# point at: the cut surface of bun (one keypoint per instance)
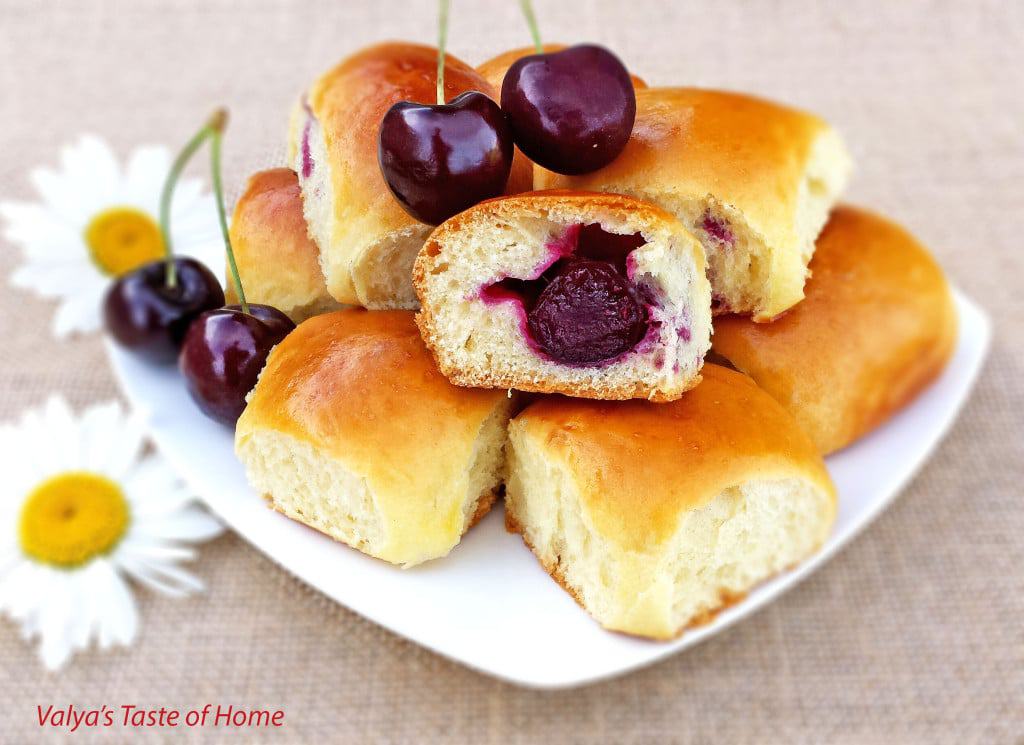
(367, 241)
(752, 179)
(278, 263)
(655, 516)
(878, 324)
(479, 275)
(342, 432)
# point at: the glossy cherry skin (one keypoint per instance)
(223, 354)
(149, 318)
(587, 314)
(571, 111)
(441, 159)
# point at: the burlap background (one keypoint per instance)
(913, 634)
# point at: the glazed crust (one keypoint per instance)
(638, 466)
(508, 207)
(360, 387)
(877, 326)
(749, 152)
(278, 263)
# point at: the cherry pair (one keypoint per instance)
(174, 308)
(570, 111)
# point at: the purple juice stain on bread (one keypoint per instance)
(717, 229)
(307, 155)
(580, 306)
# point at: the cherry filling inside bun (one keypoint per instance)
(581, 309)
(584, 294)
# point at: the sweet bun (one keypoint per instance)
(655, 516)
(499, 287)
(367, 241)
(878, 324)
(752, 179)
(278, 263)
(341, 430)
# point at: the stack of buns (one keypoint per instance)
(654, 488)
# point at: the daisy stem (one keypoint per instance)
(442, 42)
(218, 122)
(531, 21)
(168, 191)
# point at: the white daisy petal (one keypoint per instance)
(121, 624)
(80, 313)
(167, 579)
(148, 550)
(55, 621)
(91, 164)
(145, 174)
(189, 524)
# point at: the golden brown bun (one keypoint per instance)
(480, 343)
(367, 241)
(342, 433)
(493, 70)
(278, 263)
(765, 173)
(654, 515)
(878, 324)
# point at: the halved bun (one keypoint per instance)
(878, 324)
(278, 263)
(484, 337)
(752, 179)
(655, 516)
(339, 434)
(367, 241)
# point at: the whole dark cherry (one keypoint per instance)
(223, 354)
(587, 314)
(571, 111)
(150, 318)
(441, 159)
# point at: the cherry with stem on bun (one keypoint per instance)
(149, 309)
(440, 159)
(571, 111)
(225, 349)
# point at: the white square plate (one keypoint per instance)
(489, 605)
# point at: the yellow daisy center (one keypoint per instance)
(123, 238)
(71, 518)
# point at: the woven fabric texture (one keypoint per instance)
(913, 634)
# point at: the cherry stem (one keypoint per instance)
(217, 123)
(168, 191)
(531, 21)
(442, 42)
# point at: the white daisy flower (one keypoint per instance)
(81, 512)
(96, 221)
